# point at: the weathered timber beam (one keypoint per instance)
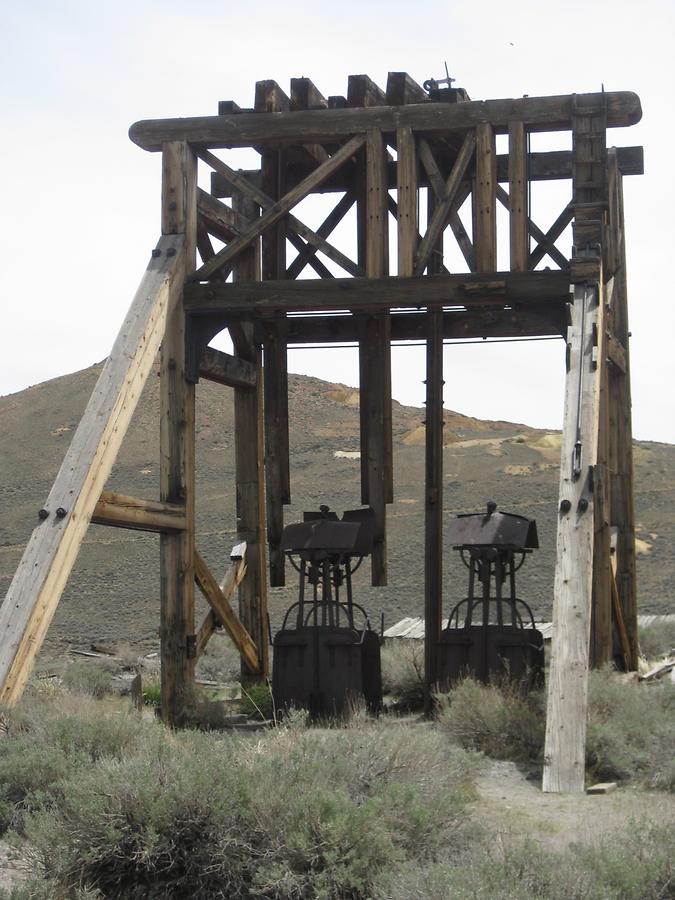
(457, 324)
(50, 554)
(227, 369)
(331, 222)
(221, 220)
(132, 512)
(362, 294)
(550, 165)
(249, 189)
(442, 209)
(325, 125)
(231, 581)
(545, 243)
(362, 91)
(219, 603)
(305, 95)
(278, 209)
(402, 89)
(616, 353)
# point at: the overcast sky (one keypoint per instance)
(81, 202)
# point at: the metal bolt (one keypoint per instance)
(583, 504)
(156, 252)
(171, 251)
(61, 513)
(173, 206)
(43, 514)
(565, 506)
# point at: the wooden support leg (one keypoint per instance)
(564, 753)
(601, 646)
(433, 503)
(177, 406)
(250, 476)
(375, 360)
(277, 450)
(620, 427)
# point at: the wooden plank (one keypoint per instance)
(532, 322)
(437, 185)
(177, 452)
(133, 512)
(549, 165)
(485, 193)
(363, 294)
(544, 244)
(250, 474)
(220, 605)
(362, 91)
(332, 220)
(250, 190)
(565, 743)
(376, 367)
(406, 192)
(401, 89)
(443, 207)
(277, 448)
(52, 549)
(621, 432)
(270, 98)
(602, 640)
(223, 368)
(518, 198)
(325, 125)
(221, 220)
(433, 503)
(305, 95)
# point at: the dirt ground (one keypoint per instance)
(514, 807)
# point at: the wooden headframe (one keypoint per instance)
(378, 151)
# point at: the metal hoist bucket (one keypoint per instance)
(491, 632)
(326, 656)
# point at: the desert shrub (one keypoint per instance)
(630, 731)
(256, 701)
(294, 814)
(88, 678)
(152, 692)
(403, 673)
(634, 865)
(220, 660)
(48, 739)
(501, 721)
(657, 640)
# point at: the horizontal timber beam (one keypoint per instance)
(133, 512)
(458, 324)
(550, 165)
(325, 125)
(227, 369)
(363, 294)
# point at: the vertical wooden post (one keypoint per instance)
(406, 185)
(250, 471)
(620, 426)
(518, 197)
(565, 745)
(601, 646)
(375, 359)
(269, 98)
(177, 449)
(486, 199)
(433, 502)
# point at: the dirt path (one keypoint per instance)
(514, 807)
(14, 868)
